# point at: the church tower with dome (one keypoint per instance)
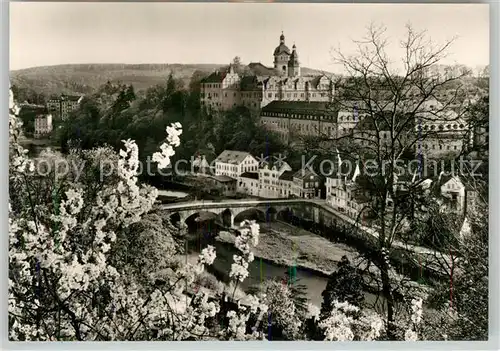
(293, 63)
(282, 56)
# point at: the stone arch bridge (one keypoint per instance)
(231, 211)
(310, 209)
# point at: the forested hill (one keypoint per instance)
(87, 78)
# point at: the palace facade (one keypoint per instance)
(226, 89)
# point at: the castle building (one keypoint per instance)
(43, 125)
(226, 89)
(289, 119)
(444, 131)
(62, 107)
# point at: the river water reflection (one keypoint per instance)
(259, 270)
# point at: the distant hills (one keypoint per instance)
(86, 78)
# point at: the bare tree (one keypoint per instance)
(398, 105)
(462, 300)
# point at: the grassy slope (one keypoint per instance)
(85, 78)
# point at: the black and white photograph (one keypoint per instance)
(248, 172)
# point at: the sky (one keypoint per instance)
(63, 33)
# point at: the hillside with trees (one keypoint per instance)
(87, 78)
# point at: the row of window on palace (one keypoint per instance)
(440, 147)
(384, 135)
(313, 128)
(295, 86)
(295, 95)
(296, 116)
(442, 127)
(351, 118)
(253, 104)
(259, 95)
(243, 95)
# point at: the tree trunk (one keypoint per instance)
(387, 290)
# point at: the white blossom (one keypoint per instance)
(73, 244)
(167, 149)
(411, 335)
(207, 255)
(345, 324)
(416, 307)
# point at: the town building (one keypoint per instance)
(234, 163)
(307, 184)
(43, 125)
(348, 197)
(286, 185)
(200, 165)
(269, 173)
(345, 193)
(62, 106)
(225, 89)
(248, 183)
(224, 184)
(453, 190)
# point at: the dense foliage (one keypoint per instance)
(116, 112)
(88, 261)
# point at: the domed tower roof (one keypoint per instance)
(294, 57)
(282, 48)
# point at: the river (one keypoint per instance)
(260, 270)
(174, 194)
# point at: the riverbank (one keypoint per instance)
(286, 245)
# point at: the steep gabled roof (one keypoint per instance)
(215, 77)
(230, 156)
(70, 97)
(274, 163)
(304, 173)
(447, 178)
(287, 175)
(259, 69)
(250, 83)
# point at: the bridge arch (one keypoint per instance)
(175, 218)
(271, 213)
(253, 213)
(285, 213)
(227, 218)
(199, 219)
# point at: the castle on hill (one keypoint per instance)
(226, 89)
